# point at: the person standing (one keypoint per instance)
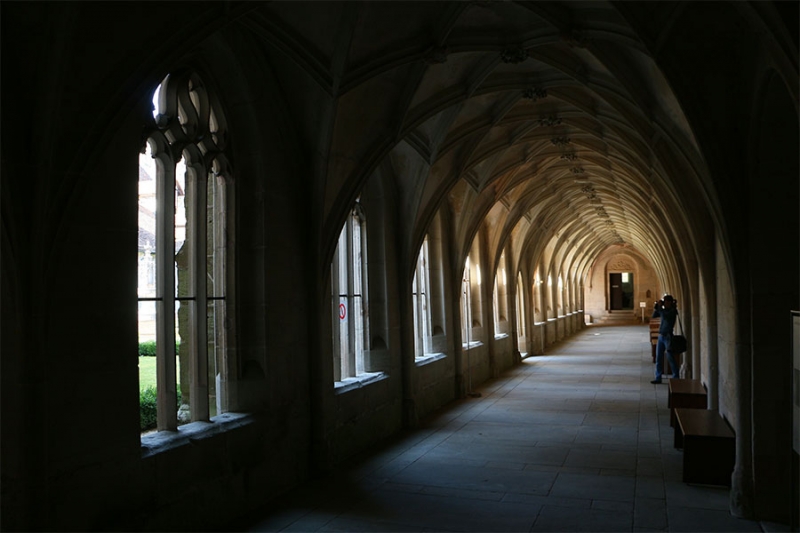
(668, 311)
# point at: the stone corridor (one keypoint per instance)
(575, 440)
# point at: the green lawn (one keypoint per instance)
(147, 372)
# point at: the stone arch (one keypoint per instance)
(617, 260)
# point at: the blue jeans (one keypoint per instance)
(661, 347)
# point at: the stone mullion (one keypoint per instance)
(427, 341)
(336, 299)
(166, 375)
(219, 272)
(364, 287)
(419, 322)
(351, 322)
(198, 308)
(436, 281)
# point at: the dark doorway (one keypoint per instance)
(621, 284)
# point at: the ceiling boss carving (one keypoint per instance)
(534, 93)
(552, 120)
(514, 55)
(560, 141)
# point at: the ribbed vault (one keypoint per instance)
(557, 143)
(552, 117)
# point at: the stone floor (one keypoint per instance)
(576, 440)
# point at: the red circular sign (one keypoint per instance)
(342, 311)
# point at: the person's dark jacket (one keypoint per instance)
(668, 317)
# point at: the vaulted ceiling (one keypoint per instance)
(551, 124)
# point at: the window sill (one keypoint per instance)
(161, 441)
(429, 358)
(501, 336)
(471, 345)
(359, 381)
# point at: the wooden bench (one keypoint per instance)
(709, 446)
(686, 393)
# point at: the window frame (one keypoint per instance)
(189, 126)
(349, 346)
(500, 299)
(421, 297)
(521, 312)
(468, 297)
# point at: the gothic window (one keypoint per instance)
(537, 297)
(349, 284)
(520, 313)
(500, 299)
(183, 278)
(421, 289)
(470, 302)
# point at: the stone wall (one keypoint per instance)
(647, 287)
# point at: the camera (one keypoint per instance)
(660, 303)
